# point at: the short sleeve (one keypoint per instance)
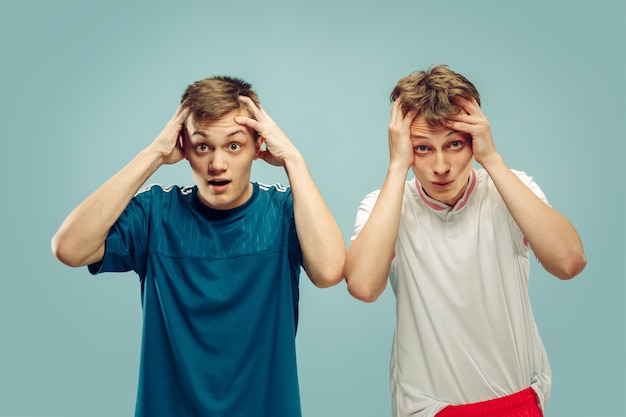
(295, 250)
(528, 181)
(363, 213)
(126, 243)
(532, 185)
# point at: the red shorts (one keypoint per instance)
(520, 404)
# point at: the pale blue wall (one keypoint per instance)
(86, 85)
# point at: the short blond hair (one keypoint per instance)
(212, 98)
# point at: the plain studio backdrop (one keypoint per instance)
(86, 85)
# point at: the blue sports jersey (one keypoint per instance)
(220, 301)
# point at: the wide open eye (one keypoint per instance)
(202, 147)
(420, 149)
(234, 146)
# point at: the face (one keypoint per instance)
(442, 162)
(220, 153)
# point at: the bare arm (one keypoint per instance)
(81, 238)
(323, 247)
(369, 257)
(552, 237)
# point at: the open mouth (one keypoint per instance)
(218, 183)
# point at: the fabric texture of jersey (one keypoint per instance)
(219, 291)
(464, 331)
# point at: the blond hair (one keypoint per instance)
(430, 93)
(212, 98)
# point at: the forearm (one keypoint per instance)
(323, 246)
(80, 239)
(369, 257)
(552, 237)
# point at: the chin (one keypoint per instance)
(444, 198)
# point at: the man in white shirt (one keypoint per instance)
(454, 242)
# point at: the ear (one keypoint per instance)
(182, 148)
(257, 145)
(181, 141)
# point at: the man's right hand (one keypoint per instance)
(168, 144)
(400, 147)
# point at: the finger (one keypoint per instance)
(248, 122)
(460, 117)
(460, 100)
(182, 113)
(248, 101)
(396, 110)
(410, 116)
(179, 111)
(459, 126)
(469, 105)
(251, 105)
(398, 114)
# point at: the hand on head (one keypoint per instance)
(399, 135)
(169, 142)
(473, 121)
(278, 147)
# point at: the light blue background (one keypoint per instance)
(86, 85)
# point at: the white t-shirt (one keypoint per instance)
(465, 331)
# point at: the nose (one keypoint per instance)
(441, 165)
(218, 162)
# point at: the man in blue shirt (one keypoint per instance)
(218, 262)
